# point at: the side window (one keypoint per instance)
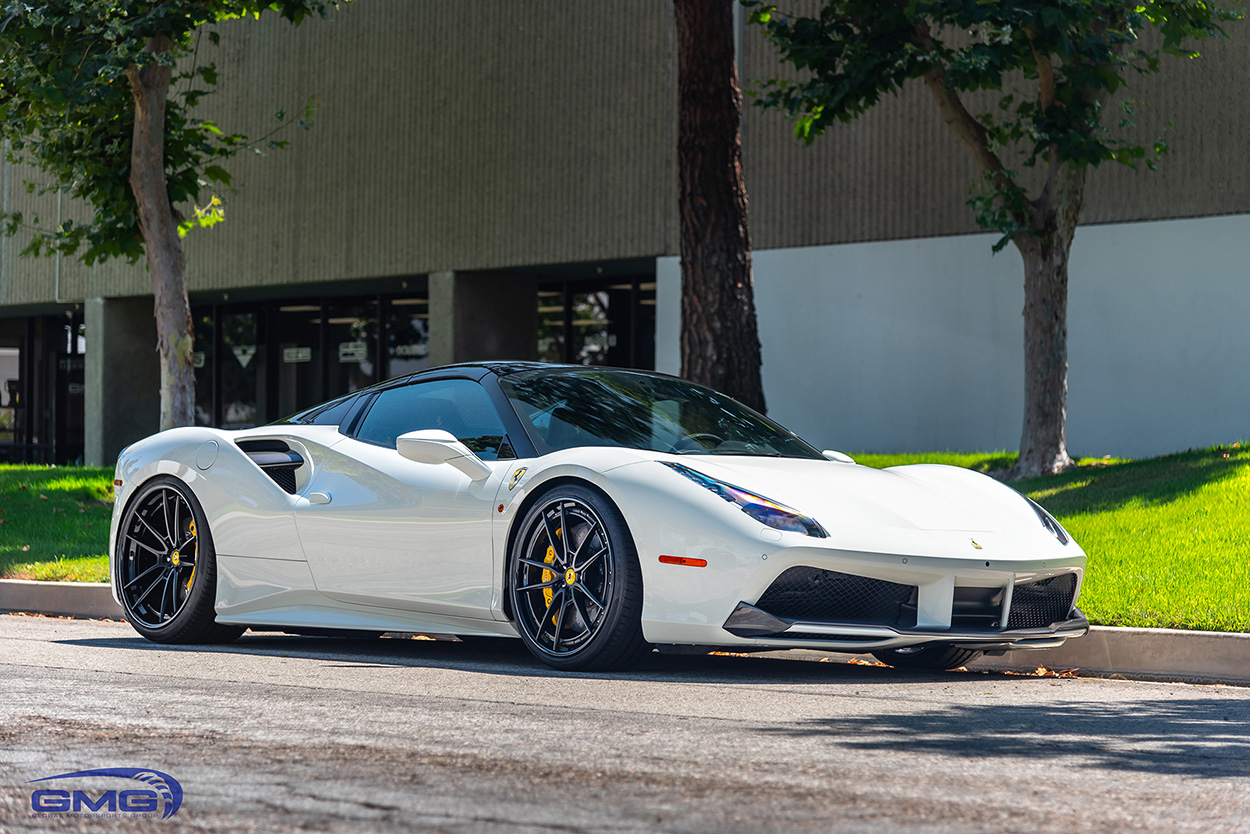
(459, 406)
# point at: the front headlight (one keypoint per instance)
(763, 510)
(1048, 521)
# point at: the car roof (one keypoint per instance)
(480, 370)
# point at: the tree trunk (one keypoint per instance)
(1043, 442)
(159, 225)
(720, 344)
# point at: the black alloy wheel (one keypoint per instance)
(934, 656)
(575, 583)
(166, 568)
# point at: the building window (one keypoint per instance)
(260, 362)
(598, 322)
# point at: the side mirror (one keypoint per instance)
(837, 457)
(438, 446)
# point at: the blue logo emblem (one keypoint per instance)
(163, 796)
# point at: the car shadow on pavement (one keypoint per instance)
(1196, 737)
(503, 656)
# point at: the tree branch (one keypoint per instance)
(970, 132)
(1045, 73)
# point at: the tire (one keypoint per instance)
(577, 610)
(935, 656)
(168, 597)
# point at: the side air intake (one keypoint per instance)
(276, 459)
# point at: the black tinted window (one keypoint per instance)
(459, 406)
(567, 409)
(326, 414)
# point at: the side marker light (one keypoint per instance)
(501, 508)
(684, 560)
(118, 482)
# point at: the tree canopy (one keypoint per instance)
(93, 94)
(1049, 69)
(1051, 64)
(66, 107)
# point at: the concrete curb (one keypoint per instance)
(1139, 653)
(92, 600)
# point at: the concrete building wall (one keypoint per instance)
(491, 134)
(487, 135)
(918, 345)
(897, 172)
(463, 137)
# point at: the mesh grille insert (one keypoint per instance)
(1038, 604)
(814, 595)
(283, 476)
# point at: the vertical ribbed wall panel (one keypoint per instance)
(38, 280)
(479, 134)
(494, 134)
(474, 135)
(897, 172)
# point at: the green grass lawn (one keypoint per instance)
(1168, 538)
(54, 522)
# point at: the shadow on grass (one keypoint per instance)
(1093, 488)
(1203, 737)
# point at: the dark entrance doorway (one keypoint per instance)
(41, 389)
(258, 362)
(598, 321)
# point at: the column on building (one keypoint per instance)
(122, 379)
(478, 316)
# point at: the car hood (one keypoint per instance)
(934, 498)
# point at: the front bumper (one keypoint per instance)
(752, 623)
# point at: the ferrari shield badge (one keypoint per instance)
(516, 478)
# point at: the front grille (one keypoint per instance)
(813, 595)
(1038, 604)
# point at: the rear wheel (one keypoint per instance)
(933, 656)
(166, 567)
(575, 583)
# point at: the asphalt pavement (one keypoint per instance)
(279, 733)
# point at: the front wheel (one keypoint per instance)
(166, 567)
(575, 583)
(936, 656)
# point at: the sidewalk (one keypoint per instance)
(1162, 654)
(1137, 653)
(92, 600)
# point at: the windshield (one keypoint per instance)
(566, 409)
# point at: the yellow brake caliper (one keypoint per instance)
(195, 552)
(549, 593)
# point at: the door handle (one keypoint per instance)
(318, 498)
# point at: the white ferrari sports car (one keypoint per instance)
(593, 513)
